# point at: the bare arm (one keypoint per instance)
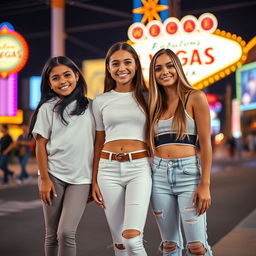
(46, 186)
(9, 148)
(99, 141)
(25, 143)
(202, 118)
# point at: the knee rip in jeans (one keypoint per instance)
(120, 246)
(158, 213)
(191, 221)
(169, 246)
(130, 233)
(189, 209)
(196, 248)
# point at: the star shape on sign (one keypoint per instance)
(150, 10)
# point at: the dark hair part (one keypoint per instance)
(47, 93)
(138, 80)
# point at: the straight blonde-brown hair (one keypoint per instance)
(158, 98)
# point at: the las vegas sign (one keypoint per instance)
(206, 53)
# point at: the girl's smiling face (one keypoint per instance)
(122, 67)
(165, 72)
(63, 80)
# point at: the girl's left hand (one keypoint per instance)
(202, 198)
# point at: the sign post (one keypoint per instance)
(13, 57)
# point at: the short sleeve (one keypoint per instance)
(97, 113)
(43, 122)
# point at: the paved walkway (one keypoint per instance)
(241, 241)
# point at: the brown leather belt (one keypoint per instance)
(122, 157)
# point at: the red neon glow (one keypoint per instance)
(196, 57)
(211, 98)
(137, 32)
(171, 28)
(207, 23)
(154, 30)
(189, 26)
(6, 53)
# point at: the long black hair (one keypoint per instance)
(47, 93)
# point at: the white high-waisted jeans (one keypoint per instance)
(126, 189)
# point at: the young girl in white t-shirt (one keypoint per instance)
(121, 171)
(63, 126)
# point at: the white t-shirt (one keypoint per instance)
(69, 147)
(119, 115)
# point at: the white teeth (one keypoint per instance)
(64, 87)
(122, 75)
(166, 77)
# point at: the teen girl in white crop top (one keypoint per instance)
(121, 171)
(181, 187)
(115, 111)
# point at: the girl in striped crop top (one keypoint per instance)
(179, 115)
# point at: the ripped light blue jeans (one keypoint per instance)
(174, 184)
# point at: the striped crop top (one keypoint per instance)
(166, 133)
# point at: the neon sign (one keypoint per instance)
(206, 53)
(34, 91)
(8, 95)
(13, 51)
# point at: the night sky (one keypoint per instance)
(32, 19)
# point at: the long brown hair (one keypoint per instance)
(158, 98)
(140, 89)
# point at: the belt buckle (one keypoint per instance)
(119, 157)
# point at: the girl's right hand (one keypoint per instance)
(96, 194)
(46, 188)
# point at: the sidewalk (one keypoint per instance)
(241, 241)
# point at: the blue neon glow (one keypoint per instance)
(34, 91)
(164, 14)
(7, 24)
(215, 125)
(136, 16)
(248, 107)
(246, 86)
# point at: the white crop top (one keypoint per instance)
(119, 115)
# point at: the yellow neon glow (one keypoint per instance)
(94, 71)
(250, 44)
(231, 68)
(18, 119)
(216, 73)
(13, 35)
(150, 10)
(219, 137)
(14, 130)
